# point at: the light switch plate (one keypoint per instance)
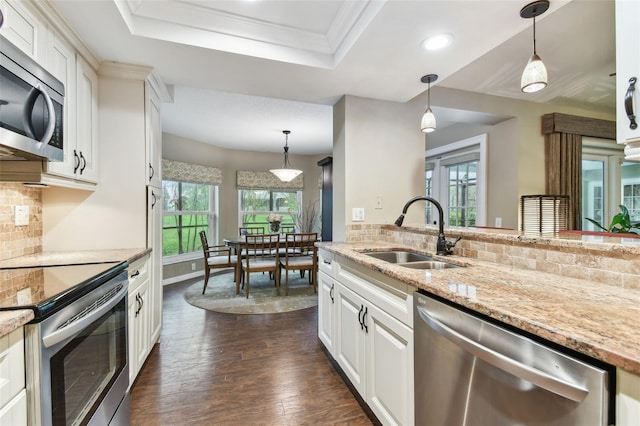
(357, 214)
(21, 215)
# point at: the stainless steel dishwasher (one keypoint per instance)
(469, 371)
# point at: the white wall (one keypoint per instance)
(378, 152)
(230, 161)
(114, 215)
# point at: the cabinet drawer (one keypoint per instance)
(392, 296)
(138, 273)
(12, 374)
(325, 262)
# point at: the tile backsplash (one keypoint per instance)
(20, 240)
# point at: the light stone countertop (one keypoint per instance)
(597, 320)
(13, 319)
(55, 258)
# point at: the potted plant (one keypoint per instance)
(620, 224)
(274, 220)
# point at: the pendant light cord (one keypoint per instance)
(534, 35)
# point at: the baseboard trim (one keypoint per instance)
(184, 277)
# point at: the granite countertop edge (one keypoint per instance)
(13, 319)
(590, 318)
(75, 257)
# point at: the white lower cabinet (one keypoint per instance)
(627, 398)
(13, 399)
(373, 348)
(326, 301)
(140, 342)
(14, 413)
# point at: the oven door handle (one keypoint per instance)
(80, 323)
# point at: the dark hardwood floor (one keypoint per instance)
(224, 369)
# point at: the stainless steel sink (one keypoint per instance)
(400, 256)
(430, 264)
(411, 259)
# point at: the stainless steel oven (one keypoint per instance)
(76, 347)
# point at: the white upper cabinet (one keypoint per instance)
(61, 62)
(628, 76)
(79, 167)
(86, 149)
(153, 135)
(24, 29)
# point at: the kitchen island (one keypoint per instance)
(579, 295)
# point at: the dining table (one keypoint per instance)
(237, 244)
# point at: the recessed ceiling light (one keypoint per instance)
(438, 41)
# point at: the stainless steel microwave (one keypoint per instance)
(31, 108)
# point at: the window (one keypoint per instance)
(188, 208)
(462, 194)
(429, 209)
(455, 176)
(257, 204)
(607, 182)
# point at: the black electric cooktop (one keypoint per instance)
(47, 289)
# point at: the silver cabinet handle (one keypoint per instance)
(82, 322)
(628, 103)
(503, 362)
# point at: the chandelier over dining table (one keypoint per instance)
(286, 173)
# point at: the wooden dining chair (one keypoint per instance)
(216, 257)
(300, 254)
(250, 230)
(287, 229)
(260, 254)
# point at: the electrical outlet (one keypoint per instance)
(24, 296)
(21, 215)
(193, 266)
(498, 222)
(357, 214)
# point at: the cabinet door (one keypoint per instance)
(627, 67)
(143, 326)
(61, 62)
(389, 353)
(22, 28)
(15, 411)
(153, 137)
(12, 369)
(87, 121)
(326, 315)
(133, 344)
(154, 241)
(349, 338)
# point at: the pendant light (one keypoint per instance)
(428, 123)
(286, 173)
(534, 76)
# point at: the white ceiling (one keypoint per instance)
(242, 71)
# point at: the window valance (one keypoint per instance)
(266, 180)
(192, 173)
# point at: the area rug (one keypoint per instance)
(220, 295)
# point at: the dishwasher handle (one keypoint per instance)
(503, 362)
